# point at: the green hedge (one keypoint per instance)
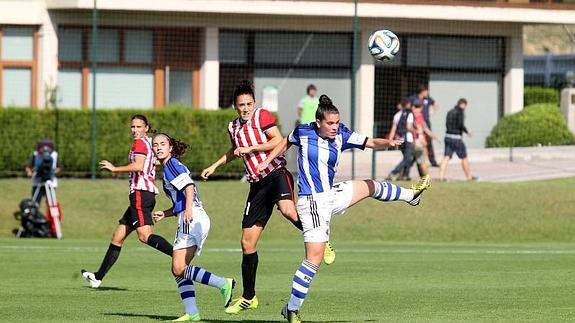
(205, 131)
(538, 94)
(536, 124)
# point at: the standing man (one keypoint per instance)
(454, 140)
(429, 106)
(43, 166)
(308, 105)
(402, 129)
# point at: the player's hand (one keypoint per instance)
(158, 215)
(263, 165)
(104, 164)
(188, 216)
(207, 172)
(395, 143)
(240, 151)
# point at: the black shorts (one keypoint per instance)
(263, 196)
(455, 146)
(139, 213)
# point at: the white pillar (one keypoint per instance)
(210, 71)
(47, 59)
(513, 80)
(568, 107)
(365, 87)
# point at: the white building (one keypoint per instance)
(154, 53)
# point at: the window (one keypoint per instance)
(133, 67)
(18, 66)
(16, 87)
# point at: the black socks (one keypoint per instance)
(109, 259)
(249, 269)
(160, 244)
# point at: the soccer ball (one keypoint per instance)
(383, 45)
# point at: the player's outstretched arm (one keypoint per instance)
(278, 150)
(226, 158)
(136, 166)
(275, 138)
(380, 143)
(158, 215)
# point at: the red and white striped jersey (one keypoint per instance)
(251, 133)
(144, 180)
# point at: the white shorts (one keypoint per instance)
(315, 214)
(194, 233)
(343, 193)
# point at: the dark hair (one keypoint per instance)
(309, 88)
(462, 100)
(404, 102)
(421, 88)
(245, 87)
(143, 118)
(324, 107)
(178, 147)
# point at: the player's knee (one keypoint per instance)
(178, 269)
(248, 245)
(143, 237)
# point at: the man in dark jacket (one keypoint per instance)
(454, 139)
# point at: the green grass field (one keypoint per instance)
(471, 252)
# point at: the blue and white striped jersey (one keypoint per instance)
(318, 158)
(176, 178)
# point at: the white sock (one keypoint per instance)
(300, 286)
(203, 276)
(386, 192)
(188, 294)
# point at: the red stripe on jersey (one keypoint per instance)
(250, 134)
(144, 179)
(139, 208)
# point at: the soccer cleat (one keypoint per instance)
(242, 304)
(187, 317)
(91, 278)
(328, 254)
(418, 188)
(290, 316)
(226, 291)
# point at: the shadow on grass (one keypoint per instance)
(169, 318)
(116, 289)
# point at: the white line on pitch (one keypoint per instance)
(291, 250)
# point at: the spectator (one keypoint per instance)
(429, 106)
(454, 139)
(402, 129)
(308, 105)
(42, 167)
(422, 132)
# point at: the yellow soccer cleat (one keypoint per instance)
(188, 318)
(242, 304)
(423, 184)
(328, 254)
(290, 316)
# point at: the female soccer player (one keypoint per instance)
(320, 147)
(253, 135)
(143, 190)
(193, 226)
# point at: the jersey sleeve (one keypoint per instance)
(351, 139)
(293, 137)
(396, 117)
(410, 118)
(267, 120)
(139, 147)
(178, 174)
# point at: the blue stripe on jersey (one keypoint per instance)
(313, 159)
(172, 169)
(318, 158)
(332, 164)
